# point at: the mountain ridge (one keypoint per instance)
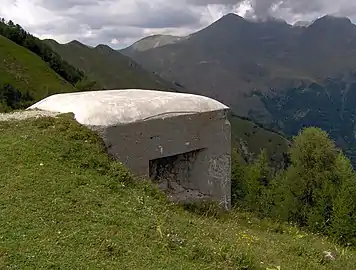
(257, 66)
(232, 17)
(108, 68)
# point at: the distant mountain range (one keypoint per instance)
(26, 77)
(32, 69)
(286, 76)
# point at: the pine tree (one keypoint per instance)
(311, 182)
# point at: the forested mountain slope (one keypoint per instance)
(108, 68)
(25, 77)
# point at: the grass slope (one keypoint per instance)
(27, 72)
(64, 204)
(250, 138)
(109, 68)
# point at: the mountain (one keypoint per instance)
(108, 68)
(25, 77)
(302, 24)
(226, 60)
(284, 76)
(151, 42)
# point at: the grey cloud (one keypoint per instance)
(266, 8)
(119, 33)
(263, 8)
(56, 26)
(144, 17)
(95, 21)
(303, 5)
(214, 2)
(126, 35)
(66, 4)
(317, 8)
(95, 13)
(163, 16)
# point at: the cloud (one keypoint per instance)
(65, 4)
(287, 9)
(103, 21)
(121, 22)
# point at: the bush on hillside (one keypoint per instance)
(237, 177)
(311, 183)
(86, 84)
(343, 221)
(12, 99)
(251, 183)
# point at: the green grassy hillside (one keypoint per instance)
(65, 205)
(26, 72)
(250, 138)
(109, 68)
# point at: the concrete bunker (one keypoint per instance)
(181, 141)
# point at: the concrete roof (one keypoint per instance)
(114, 107)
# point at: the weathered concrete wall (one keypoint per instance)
(181, 141)
(208, 171)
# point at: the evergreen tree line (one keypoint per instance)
(317, 190)
(18, 35)
(12, 99)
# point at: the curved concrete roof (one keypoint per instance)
(114, 107)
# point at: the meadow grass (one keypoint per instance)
(64, 204)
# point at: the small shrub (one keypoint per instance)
(227, 257)
(118, 171)
(204, 208)
(238, 190)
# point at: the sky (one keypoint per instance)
(119, 23)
